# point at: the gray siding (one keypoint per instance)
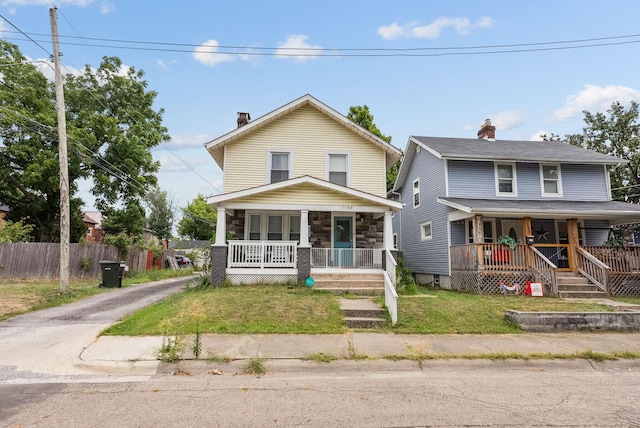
(595, 232)
(476, 179)
(430, 256)
(458, 232)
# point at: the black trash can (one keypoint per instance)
(111, 274)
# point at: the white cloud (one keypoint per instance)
(296, 46)
(207, 53)
(538, 135)
(161, 64)
(46, 2)
(507, 119)
(106, 7)
(172, 163)
(197, 140)
(433, 30)
(593, 97)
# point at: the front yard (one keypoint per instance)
(297, 310)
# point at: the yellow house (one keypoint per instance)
(304, 196)
(3, 212)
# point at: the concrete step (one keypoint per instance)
(582, 294)
(358, 291)
(337, 283)
(364, 322)
(348, 276)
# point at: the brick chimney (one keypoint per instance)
(487, 131)
(243, 119)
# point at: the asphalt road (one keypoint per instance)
(439, 393)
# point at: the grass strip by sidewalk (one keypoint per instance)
(269, 309)
(18, 296)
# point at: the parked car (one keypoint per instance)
(184, 261)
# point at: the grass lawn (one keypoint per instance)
(278, 309)
(18, 296)
(237, 310)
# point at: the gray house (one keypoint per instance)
(461, 195)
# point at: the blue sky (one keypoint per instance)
(447, 91)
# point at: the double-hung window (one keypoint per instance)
(338, 168)
(550, 180)
(279, 168)
(506, 179)
(416, 193)
(274, 228)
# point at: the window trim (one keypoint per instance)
(423, 236)
(514, 182)
(558, 180)
(327, 162)
(416, 192)
(274, 150)
(469, 230)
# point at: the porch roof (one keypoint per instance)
(304, 192)
(614, 212)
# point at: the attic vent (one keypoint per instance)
(417, 149)
(243, 119)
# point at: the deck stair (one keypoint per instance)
(361, 284)
(362, 313)
(574, 285)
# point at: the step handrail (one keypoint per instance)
(594, 269)
(545, 268)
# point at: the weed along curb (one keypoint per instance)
(575, 321)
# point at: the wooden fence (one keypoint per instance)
(42, 260)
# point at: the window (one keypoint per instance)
(294, 228)
(488, 227)
(506, 179)
(550, 177)
(425, 231)
(274, 228)
(416, 193)
(254, 227)
(338, 168)
(280, 165)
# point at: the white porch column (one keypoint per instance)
(304, 228)
(221, 228)
(388, 231)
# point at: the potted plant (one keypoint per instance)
(502, 255)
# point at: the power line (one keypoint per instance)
(27, 36)
(144, 42)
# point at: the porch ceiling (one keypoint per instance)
(614, 212)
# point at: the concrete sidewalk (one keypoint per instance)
(137, 355)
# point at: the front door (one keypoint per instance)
(343, 241)
(513, 228)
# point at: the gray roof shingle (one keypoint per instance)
(519, 151)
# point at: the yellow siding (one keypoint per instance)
(305, 195)
(309, 133)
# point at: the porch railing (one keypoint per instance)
(262, 254)
(390, 294)
(593, 269)
(358, 258)
(624, 260)
(489, 257)
(545, 269)
(558, 254)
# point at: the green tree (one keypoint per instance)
(14, 232)
(616, 133)
(112, 114)
(111, 126)
(161, 214)
(363, 117)
(198, 220)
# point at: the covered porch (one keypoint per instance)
(288, 230)
(553, 242)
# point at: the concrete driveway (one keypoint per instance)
(46, 345)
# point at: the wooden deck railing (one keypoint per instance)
(558, 254)
(625, 260)
(489, 257)
(545, 269)
(593, 269)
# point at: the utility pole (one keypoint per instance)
(62, 155)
